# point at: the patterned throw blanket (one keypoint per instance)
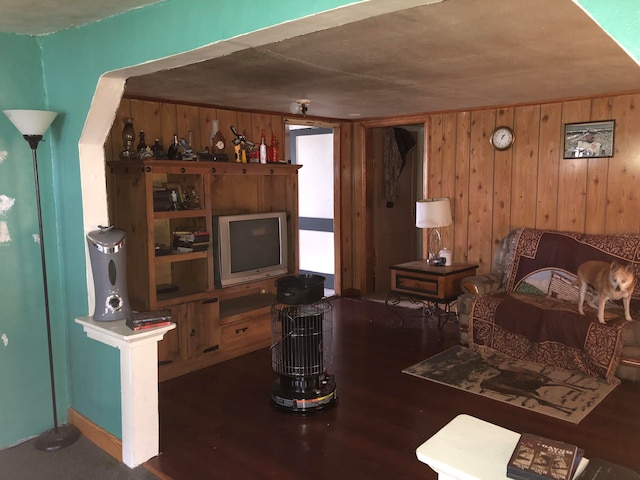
(535, 316)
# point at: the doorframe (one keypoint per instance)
(337, 186)
(364, 139)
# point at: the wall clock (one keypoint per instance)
(502, 138)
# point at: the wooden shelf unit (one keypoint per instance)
(213, 324)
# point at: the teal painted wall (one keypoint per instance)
(24, 385)
(620, 19)
(61, 73)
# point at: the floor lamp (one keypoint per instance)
(32, 124)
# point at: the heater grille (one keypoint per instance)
(302, 339)
(301, 328)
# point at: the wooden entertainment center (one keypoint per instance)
(213, 324)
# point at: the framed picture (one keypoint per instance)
(589, 139)
(177, 195)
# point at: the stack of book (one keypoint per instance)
(151, 319)
(539, 458)
(184, 241)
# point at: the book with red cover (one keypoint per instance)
(150, 325)
(152, 318)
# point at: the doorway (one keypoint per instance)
(313, 147)
(395, 236)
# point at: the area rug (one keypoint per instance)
(561, 394)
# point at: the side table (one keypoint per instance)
(420, 282)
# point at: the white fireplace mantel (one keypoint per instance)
(138, 382)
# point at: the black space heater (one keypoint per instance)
(301, 328)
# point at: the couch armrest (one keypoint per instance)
(471, 287)
(481, 284)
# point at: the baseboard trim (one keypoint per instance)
(103, 439)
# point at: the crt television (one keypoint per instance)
(249, 247)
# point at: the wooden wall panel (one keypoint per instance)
(244, 125)
(363, 223)
(624, 168)
(461, 194)
(480, 187)
(502, 185)
(435, 171)
(207, 116)
(115, 146)
(169, 123)
(550, 152)
(188, 120)
(343, 204)
(226, 118)
(597, 173)
(573, 175)
(146, 117)
(525, 164)
(531, 184)
(448, 182)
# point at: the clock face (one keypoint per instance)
(502, 138)
(220, 145)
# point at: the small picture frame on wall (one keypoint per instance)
(589, 139)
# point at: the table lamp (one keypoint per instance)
(433, 213)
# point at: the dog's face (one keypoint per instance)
(621, 277)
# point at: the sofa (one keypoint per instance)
(526, 307)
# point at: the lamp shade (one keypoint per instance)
(31, 122)
(433, 213)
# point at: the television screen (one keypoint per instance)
(249, 247)
(256, 243)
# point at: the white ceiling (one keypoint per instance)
(451, 55)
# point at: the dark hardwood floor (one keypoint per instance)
(217, 423)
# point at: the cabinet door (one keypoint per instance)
(172, 347)
(204, 327)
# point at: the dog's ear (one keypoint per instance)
(629, 268)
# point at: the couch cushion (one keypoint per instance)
(546, 330)
(564, 252)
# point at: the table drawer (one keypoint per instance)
(416, 284)
(429, 285)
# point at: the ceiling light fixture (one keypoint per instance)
(300, 106)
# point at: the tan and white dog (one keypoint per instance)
(610, 281)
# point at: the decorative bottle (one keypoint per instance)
(157, 149)
(128, 139)
(274, 154)
(263, 148)
(142, 144)
(173, 153)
